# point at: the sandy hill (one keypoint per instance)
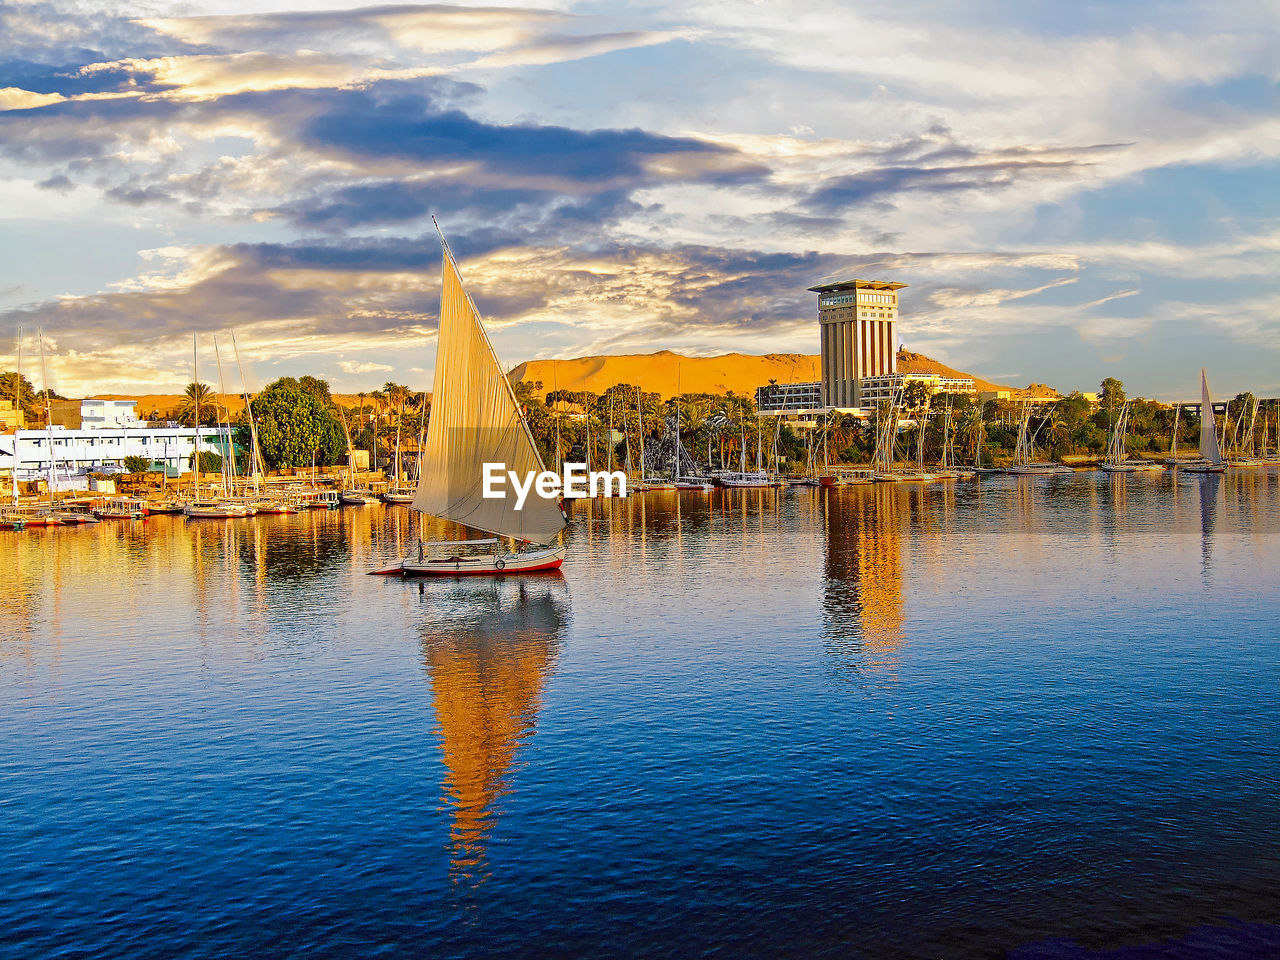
(737, 372)
(164, 404)
(909, 362)
(660, 372)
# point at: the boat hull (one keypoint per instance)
(195, 512)
(533, 561)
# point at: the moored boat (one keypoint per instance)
(476, 420)
(123, 508)
(169, 505)
(217, 510)
(1210, 452)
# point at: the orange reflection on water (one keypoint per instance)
(488, 648)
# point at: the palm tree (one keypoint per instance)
(201, 392)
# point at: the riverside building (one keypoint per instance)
(106, 436)
(857, 323)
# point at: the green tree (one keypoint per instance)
(19, 388)
(203, 393)
(1111, 395)
(295, 425)
(210, 462)
(137, 464)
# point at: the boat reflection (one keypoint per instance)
(1210, 484)
(488, 648)
(862, 597)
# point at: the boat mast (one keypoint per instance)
(640, 431)
(17, 407)
(395, 462)
(195, 390)
(1173, 447)
(258, 468)
(675, 472)
(48, 418)
(555, 415)
(422, 420)
(228, 466)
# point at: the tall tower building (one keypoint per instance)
(859, 337)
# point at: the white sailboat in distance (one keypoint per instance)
(1210, 452)
(476, 420)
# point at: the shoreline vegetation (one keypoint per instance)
(300, 425)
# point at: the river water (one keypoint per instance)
(1024, 717)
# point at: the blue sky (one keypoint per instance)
(1071, 191)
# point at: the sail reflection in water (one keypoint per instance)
(862, 601)
(488, 649)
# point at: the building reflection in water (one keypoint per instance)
(862, 599)
(488, 647)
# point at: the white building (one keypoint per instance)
(96, 414)
(794, 399)
(77, 453)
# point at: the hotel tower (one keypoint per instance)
(859, 339)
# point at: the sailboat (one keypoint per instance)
(886, 438)
(395, 493)
(1210, 453)
(683, 483)
(1115, 461)
(1024, 453)
(198, 509)
(352, 495)
(476, 419)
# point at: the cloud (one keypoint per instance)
(358, 367)
(15, 98)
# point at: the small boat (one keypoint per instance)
(123, 508)
(656, 483)
(1210, 452)
(401, 495)
(1037, 469)
(12, 521)
(170, 505)
(321, 500)
(217, 510)
(461, 558)
(1117, 460)
(754, 479)
(476, 420)
(275, 506)
(687, 484)
(44, 518)
(72, 518)
(357, 498)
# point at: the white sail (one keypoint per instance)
(475, 420)
(1208, 431)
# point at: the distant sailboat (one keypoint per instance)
(1210, 452)
(476, 419)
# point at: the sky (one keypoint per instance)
(1071, 191)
